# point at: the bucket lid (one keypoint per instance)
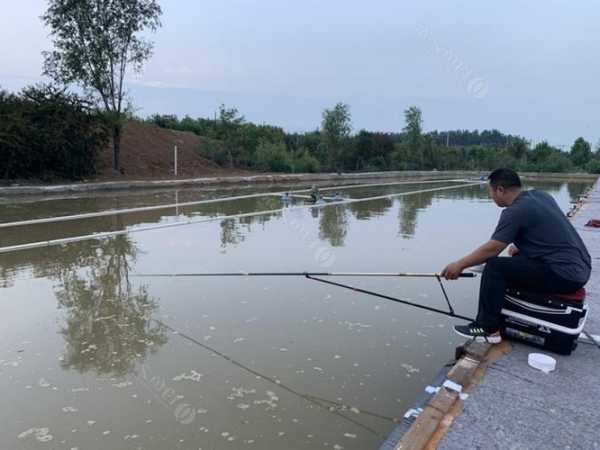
(542, 362)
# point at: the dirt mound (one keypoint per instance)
(147, 153)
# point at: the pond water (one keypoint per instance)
(94, 357)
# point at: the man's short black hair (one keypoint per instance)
(507, 178)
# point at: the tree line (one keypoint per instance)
(334, 147)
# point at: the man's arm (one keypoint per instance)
(488, 250)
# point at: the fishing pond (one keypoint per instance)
(93, 356)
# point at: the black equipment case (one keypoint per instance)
(549, 321)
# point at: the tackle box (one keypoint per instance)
(549, 321)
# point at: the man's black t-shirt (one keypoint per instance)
(537, 226)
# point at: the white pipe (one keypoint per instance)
(115, 212)
(175, 157)
(32, 245)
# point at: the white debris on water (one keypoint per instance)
(350, 435)
(106, 433)
(122, 384)
(271, 401)
(240, 339)
(81, 389)
(104, 318)
(352, 326)
(89, 348)
(40, 434)
(336, 356)
(240, 392)
(243, 406)
(192, 376)
(410, 369)
(318, 369)
(91, 422)
(10, 363)
(69, 409)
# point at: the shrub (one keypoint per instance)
(272, 157)
(556, 162)
(47, 133)
(304, 162)
(593, 166)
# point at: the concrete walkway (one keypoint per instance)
(517, 407)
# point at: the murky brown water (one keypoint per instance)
(92, 357)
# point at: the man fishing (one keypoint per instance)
(546, 253)
(315, 195)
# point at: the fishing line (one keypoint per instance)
(309, 398)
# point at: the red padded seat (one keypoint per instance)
(577, 296)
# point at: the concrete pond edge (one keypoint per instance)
(17, 189)
(440, 411)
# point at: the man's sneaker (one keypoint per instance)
(478, 334)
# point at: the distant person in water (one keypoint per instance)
(314, 194)
(547, 254)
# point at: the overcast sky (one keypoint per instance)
(529, 68)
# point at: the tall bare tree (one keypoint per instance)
(95, 43)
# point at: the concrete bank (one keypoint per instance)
(510, 405)
(255, 179)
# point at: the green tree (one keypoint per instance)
(581, 152)
(231, 132)
(541, 152)
(95, 43)
(413, 130)
(336, 127)
(518, 148)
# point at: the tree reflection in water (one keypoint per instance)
(333, 225)
(108, 324)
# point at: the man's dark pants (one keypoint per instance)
(518, 272)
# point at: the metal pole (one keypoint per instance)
(175, 152)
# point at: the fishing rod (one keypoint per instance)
(315, 276)
(300, 274)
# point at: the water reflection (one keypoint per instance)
(410, 206)
(333, 225)
(108, 323)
